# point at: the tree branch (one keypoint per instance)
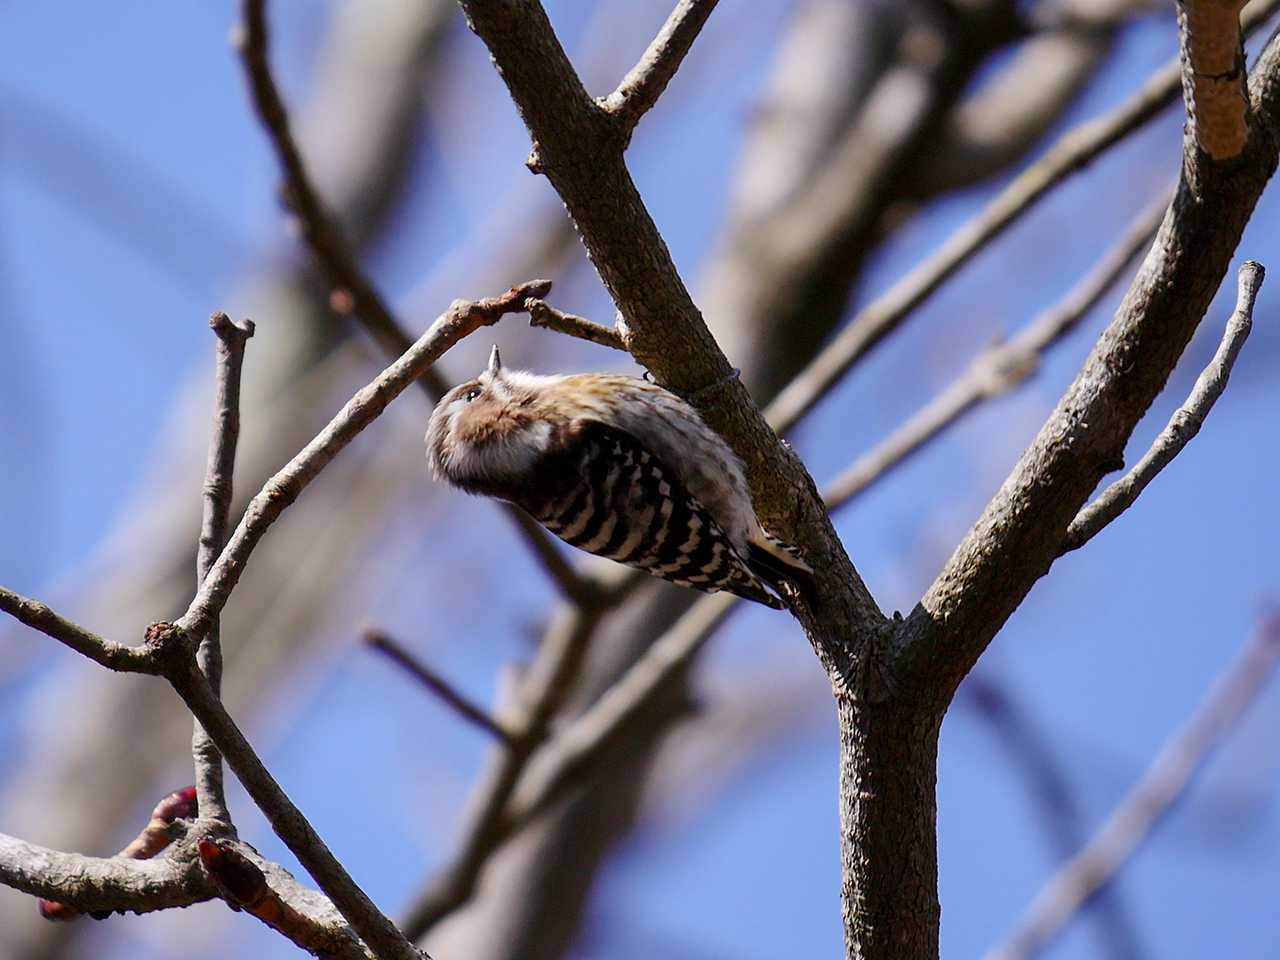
(98, 884)
(461, 705)
(461, 319)
(112, 655)
(541, 314)
(999, 368)
(1072, 152)
(351, 291)
(644, 84)
(1183, 425)
(541, 695)
(1021, 531)
(1213, 75)
(1145, 805)
(219, 473)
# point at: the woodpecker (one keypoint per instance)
(618, 467)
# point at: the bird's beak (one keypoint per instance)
(495, 361)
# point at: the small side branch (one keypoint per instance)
(461, 705)
(461, 319)
(1000, 368)
(644, 84)
(218, 488)
(542, 314)
(1143, 807)
(1213, 75)
(112, 655)
(1183, 425)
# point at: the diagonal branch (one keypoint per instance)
(349, 286)
(218, 485)
(461, 705)
(999, 368)
(108, 653)
(1145, 805)
(1183, 425)
(461, 319)
(644, 84)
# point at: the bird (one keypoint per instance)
(619, 467)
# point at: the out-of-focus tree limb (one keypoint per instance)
(1140, 811)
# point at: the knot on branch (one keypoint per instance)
(169, 646)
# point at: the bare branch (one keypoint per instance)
(112, 655)
(1144, 806)
(581, 743)
(1183, 425)
(218, 486)
(1213, 75)
(242, 883)
(461, 705)
(461, 319)
(541, 695)
(1021, 531)
(155, 836)
(1071, 153)
(542, 314)
(287, 820)
(1001, 367)
(643, 85)
(98, 884)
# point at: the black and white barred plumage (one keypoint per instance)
(618, 467)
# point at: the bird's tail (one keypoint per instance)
(778, 564)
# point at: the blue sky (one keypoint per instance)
(137, 193)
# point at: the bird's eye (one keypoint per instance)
(471, 395)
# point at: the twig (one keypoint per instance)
(108, 653)
(541, 314)
(1072, 152)
(218, 485)
(155, 836)
(1183, 425)
(462, 318)
(645, 82)
(541, 694)
(351, 290)
(384, 644)
(1214, 75)
(1000, 367)
(242, 883)
(1143, 807)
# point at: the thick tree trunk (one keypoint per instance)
(888, 829)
